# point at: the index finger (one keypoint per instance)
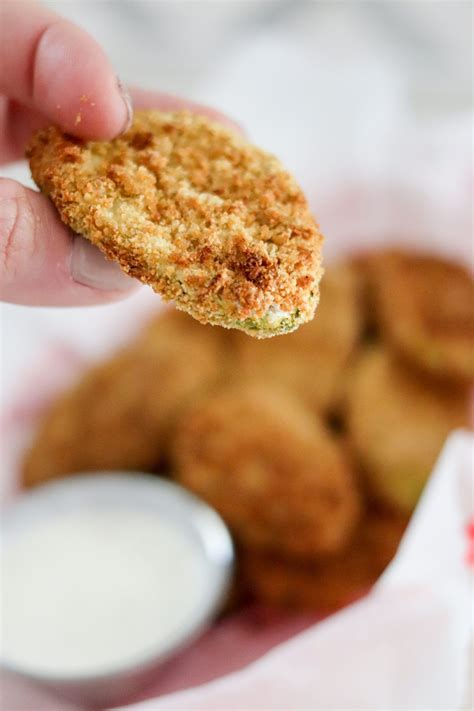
(55, 67)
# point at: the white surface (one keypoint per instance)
(86, 591)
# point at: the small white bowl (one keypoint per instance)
(134, 492)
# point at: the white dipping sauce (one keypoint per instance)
(86, 591)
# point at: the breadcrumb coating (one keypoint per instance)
(397, 424)
(311, 362)
(270, 468)
(332, 581)
(120, 412)
(425, 308)
(190, 208)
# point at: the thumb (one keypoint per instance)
(42, 263)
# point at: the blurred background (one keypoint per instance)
(360, 99)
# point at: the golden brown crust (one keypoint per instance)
(397, 424)
(270, 468)
(190, 208)
(425, 308)
(334, 580)
(118, 416)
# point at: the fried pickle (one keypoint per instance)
(310, 362)
(119, 414)
(190, 208)
(397, 424)
(333, 581)
(425, 308)
(271, 469)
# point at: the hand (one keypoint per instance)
(53, 72)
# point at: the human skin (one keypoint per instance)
(41, 261)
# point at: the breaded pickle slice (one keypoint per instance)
(425, 308)
(190, 208)
(119, 413)
(332, 581)
(271, 468)
(311, 362)
(398, 422)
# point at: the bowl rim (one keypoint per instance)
(200, 518)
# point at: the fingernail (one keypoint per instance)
(90, 268)
(127, 100)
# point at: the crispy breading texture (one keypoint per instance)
(397, 424)
(270, 468)
(425, 308)
(189, 207)
(333, 581)
(311, 362)
(119, 414)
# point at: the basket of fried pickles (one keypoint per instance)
(314, 447)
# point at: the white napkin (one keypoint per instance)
(405, 646)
